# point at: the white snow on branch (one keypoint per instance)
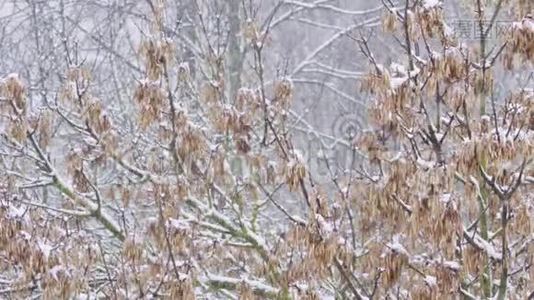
(15, 212)
(397, 247)
(326, 228)
(401, 75)
(452, 265)
(431, 281)
(45, 248)
(429, 4)
(425, 164)
(333, 8)
(484, 245)
(255, 285)
(527, 24)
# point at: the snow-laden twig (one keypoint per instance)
(478, 242)
(333, 8)
(223, 221)
(308, 60)
(224, 282)
(76, 213)
(65, 189)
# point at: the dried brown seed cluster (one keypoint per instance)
(210, 92)
(45, 129)
(13, 92)
(370, 143)
(521, 41)
(430, 18)
(132, 249)
(319, 247)
(247, 101)
(74, 89)
(57, 259)
(294, 171)
(376, 82)
(96, 117)
(394, 260)
(157, 53)
(150, 98)
(250, 31)
(283, 92)
(191, 142)
(389, 22)
(12, 88)
(451, 67)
